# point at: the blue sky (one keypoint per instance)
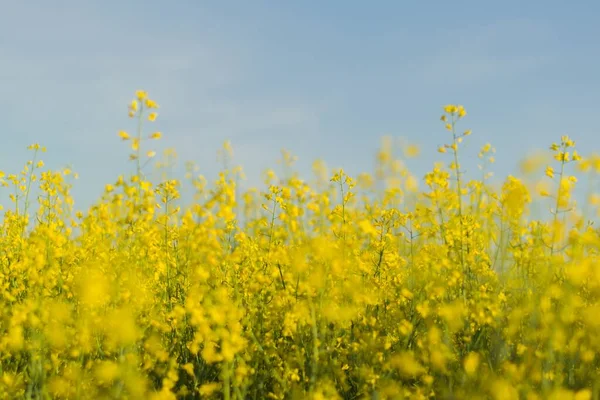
(321, 79)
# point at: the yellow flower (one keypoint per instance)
(152, 116)
(566, 140)
(156, 135)
(189, 368)
(106, 371)
(124, 135)
(133, 106)
(141, 95)
(471, 363)
(407, 364)
(584, 394)
(151, 154)
(450, 109)
(151, 104)
(411, 151)
(208, 388)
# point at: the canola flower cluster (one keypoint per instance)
(364, 287)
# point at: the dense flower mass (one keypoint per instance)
(338, 287)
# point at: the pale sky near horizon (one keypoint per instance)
(321, 79)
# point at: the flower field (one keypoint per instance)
(375, 286)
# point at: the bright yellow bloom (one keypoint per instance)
(562, 156)
(189, 368)
(152, 116)
(151, 104)
(156, 135)
(450, 109)
(124, 135)
(584, 394)
(471, 363)
(141, 95)
(567, 142)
